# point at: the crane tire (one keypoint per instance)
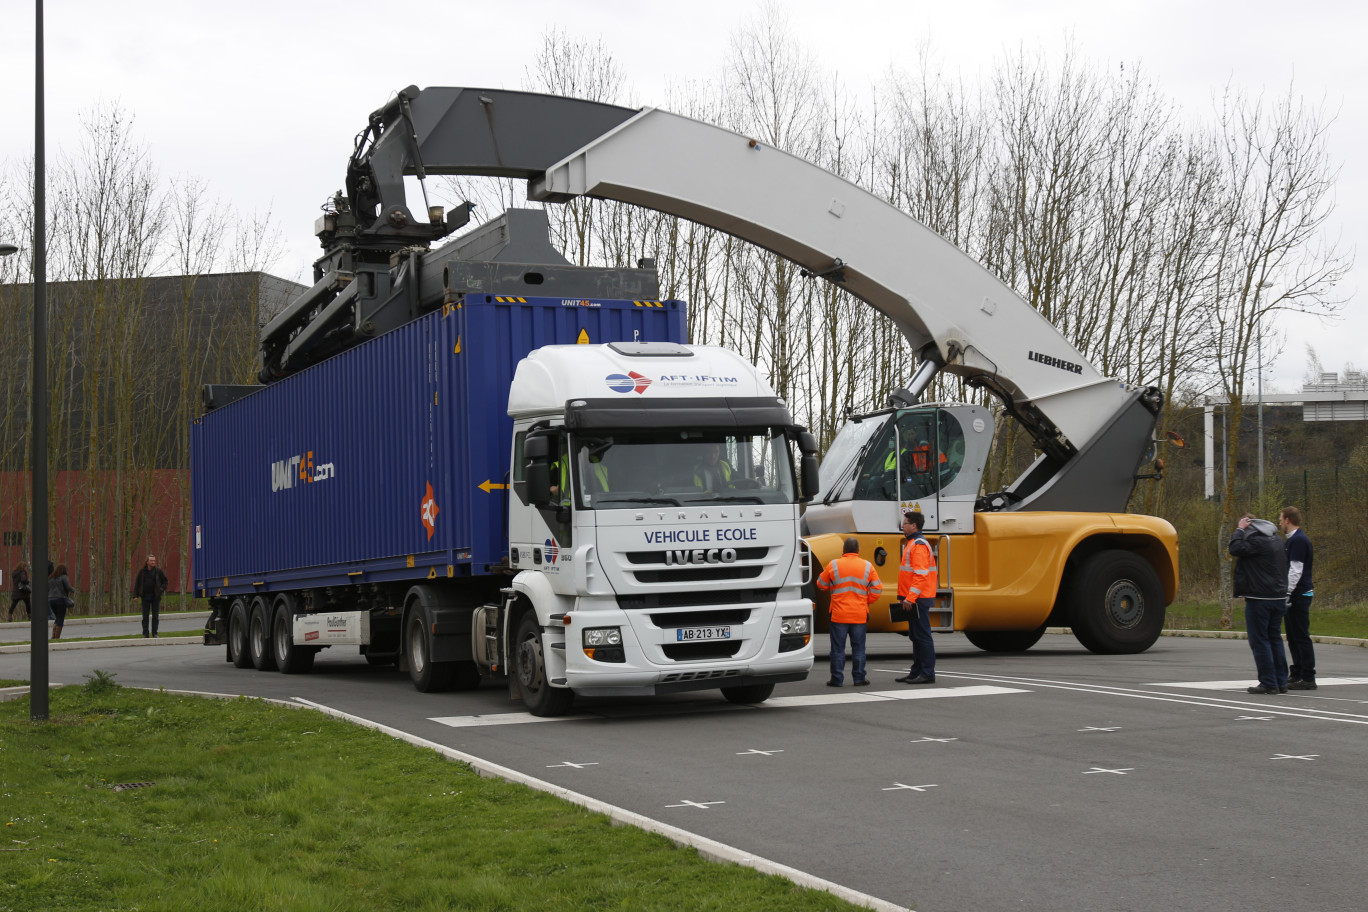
(747, 694)
(1116, 603)
(1005, 640)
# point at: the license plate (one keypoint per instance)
(695, 634)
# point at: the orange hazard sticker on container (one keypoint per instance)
(430, 511)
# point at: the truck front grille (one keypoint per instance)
(698, 652)
(659, 557)
(693, 598)
(709, 573)
(701, 618)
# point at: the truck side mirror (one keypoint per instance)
(537, 468)
(812, 481)
(807, 444)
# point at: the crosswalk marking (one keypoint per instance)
(1244, 682)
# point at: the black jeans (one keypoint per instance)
(15, 602)
(1298, 622)
(152, 606)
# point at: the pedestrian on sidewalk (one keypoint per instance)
(854, 585)
(1301, 675)
(21, 591)
(60, 591)
(1261, 580)
(148, 584)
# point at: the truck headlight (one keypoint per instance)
(795, 625)
(602, 636)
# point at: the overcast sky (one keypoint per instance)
(262, 100)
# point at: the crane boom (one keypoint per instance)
(955, 313)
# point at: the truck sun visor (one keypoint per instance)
(722, 412)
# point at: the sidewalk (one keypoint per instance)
(127, 626)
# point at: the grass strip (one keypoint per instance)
(1351, 621)
(246, 805)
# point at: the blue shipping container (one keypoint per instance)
(387, 461)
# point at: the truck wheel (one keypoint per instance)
(427, 676)
(259, 635)
(1116, 604)
(289, 658)
(748, 693)
(1005, 640)
(529, 663)
(239, 653)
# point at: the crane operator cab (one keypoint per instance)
(929, 458)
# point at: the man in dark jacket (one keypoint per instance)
(1300, 590)
(148, 585)
(1261, 580)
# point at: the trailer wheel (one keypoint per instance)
(1116, 603)
(427, 676)
(748, 693)
(1005, 640)
(259, 635)
(239, 653)
(529, 662)
(289, 658)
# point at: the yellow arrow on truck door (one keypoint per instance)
(487, 486)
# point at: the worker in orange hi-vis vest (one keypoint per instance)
(854, 585)
(917, 582)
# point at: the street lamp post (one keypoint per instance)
(38, 636)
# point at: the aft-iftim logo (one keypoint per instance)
(430, 511)
(551, 550)
(286, 473)
(630, 382)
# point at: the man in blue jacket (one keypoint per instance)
(1261, 580)
(1300, 589)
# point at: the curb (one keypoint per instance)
(68, 645)
(107, 619)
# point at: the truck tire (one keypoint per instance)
(748, 693)
(239, 653)
(289, 658)
(259, 635)
(427, 676)
(529, 664)
(1005, 640)
(1116, 603)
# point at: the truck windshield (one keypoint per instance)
(616, 469)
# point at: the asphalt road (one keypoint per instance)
(1051, 780)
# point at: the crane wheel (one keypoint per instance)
(1116, 603)
(1005, 640)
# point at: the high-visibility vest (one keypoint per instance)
(702, 470)
(854, 584)
(601, 474)
(917, 573)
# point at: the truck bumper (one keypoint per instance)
(649, 669)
